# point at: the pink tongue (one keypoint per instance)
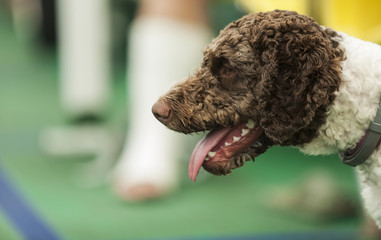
(202, 148)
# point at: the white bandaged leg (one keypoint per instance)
(161, 51)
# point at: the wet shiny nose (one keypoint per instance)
(162, 112)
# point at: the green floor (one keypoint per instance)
(215, 207)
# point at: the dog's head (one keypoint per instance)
(267, 79)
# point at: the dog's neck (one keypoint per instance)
(368, 143)
(356, 102)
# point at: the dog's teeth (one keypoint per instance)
(244, 132)
(246, 157)
(206, 159)
(211, 154)
(257, 144)
(227, 144)
(250, 124)
(235, 139)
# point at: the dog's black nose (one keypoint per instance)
(162, 112)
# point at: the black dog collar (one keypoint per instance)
(365, 147)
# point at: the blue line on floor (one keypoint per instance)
(24, 219)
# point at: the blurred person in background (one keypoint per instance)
(166, 42)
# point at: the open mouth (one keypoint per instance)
(225, 149)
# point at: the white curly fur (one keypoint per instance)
(351, 113)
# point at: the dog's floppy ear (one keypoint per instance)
(299, 65)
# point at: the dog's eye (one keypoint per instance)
(229, 79)
(217, 64)
(226, 75)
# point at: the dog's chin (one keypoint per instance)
(220, 165)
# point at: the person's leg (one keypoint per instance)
(84, 56)
(166, 42)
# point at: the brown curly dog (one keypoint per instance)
(276, 70)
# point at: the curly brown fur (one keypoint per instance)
(279, 68)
